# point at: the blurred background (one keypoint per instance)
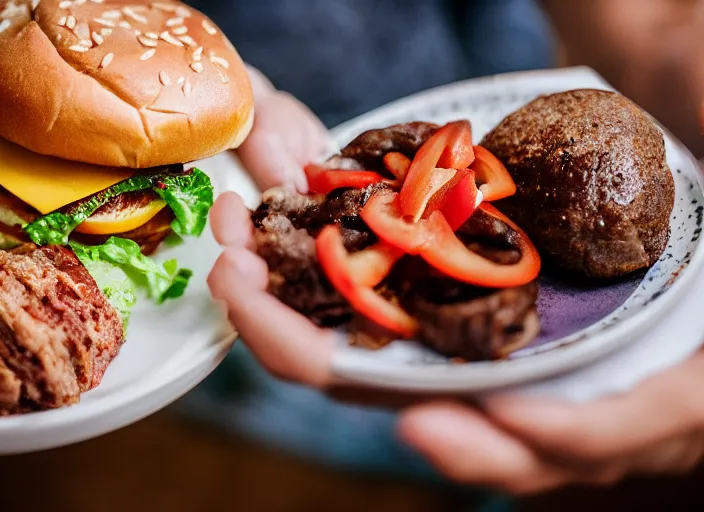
(243, 440)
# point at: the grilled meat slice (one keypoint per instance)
(58, 333)
(456, 319)
(286, 225)
(370, 147)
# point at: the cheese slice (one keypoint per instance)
(48, 183)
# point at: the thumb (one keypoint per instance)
(271, 163)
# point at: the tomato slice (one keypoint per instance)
(450, 148)
(324, 181)
(449, 255)
(496, 182)
(334, 260)
(397, 164)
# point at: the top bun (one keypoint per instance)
(116, 83)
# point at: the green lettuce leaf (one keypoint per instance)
(162, 281)
(118, 288)
(190, 196)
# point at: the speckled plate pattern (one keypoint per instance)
(580, 323)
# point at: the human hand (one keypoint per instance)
(286, 135)
(524, 445)
(517, 444)
(284, 342)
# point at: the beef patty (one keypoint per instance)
(456, 319)
(58, 333)
(594, 190)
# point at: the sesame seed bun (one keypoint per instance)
(116, 83)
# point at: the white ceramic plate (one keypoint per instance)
(169, 349)
(579, 325)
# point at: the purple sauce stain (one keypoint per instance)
(566, 306)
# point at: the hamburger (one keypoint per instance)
(102, 106)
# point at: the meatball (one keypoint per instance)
(594, 190)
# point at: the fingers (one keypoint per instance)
(286, 136)
(465, 446)
(230, 221)
(270, 163)
(286, 343)
(661, 408)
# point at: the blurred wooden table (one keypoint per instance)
(164, 464)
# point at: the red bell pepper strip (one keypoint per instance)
(458, 200)
(324, 181)
(397, 164)
(449, 255)
(449, 148)
(496, 182)
(333, 258)
(370, 266)
(382, 213)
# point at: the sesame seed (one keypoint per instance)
(183, 11)
(35, 4)
(131, 14)
(148, 54)
(198, 53)
(164, 78)
(179, 31)
(71, 22)
(209, 28)
(165, 36)
(97, 38)
(196, 66)
(112, 14)
(186, 89)
(105, 23)
(153, 35)
(85, 42)
(105, 62)
(105, 32)
(79, 2)
(187, 40)
(97, 1)
(4, 25)
(180, 80)
(78, 48)
(125, 25)
(65, 4)
(164, 7)
(220, 61)
(150, 43)
(138, 32)
(62, 21)
(172, 22)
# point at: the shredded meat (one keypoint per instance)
(58, 333)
